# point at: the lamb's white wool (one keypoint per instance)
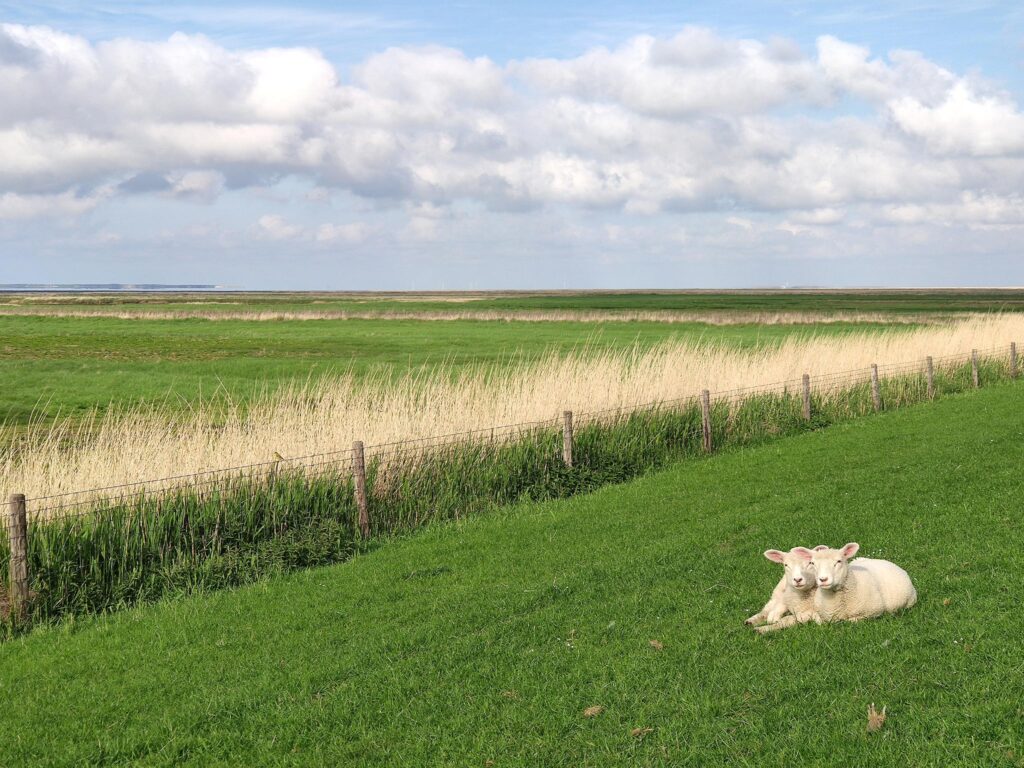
(859, 589)
(793, 596)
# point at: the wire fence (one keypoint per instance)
(67, 502)
(831, 380)
(100, 548)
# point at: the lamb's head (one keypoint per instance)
(833, 565)
(799, 571)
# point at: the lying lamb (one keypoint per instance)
(793, 595)
(862, 589)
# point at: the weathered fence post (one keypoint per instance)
(359, 473)
(567, 438)
(931, 378)
(807, 397)
(705, 420)
(17, 532)
(974, 368)
(1013, 359)
(876, 389)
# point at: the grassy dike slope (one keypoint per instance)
(487, 640)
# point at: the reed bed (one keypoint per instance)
(432, 455)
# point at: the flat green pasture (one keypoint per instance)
(483, 642)
(891, 301)
(62, 365)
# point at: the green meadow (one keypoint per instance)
(895, 301)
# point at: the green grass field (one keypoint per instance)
(481, 643)
(51, 365)
(898, 301)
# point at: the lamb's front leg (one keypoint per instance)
(773, 611)
(785, 621)
(758, 618)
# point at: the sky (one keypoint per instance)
(409, 146)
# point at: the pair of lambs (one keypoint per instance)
(823, 585)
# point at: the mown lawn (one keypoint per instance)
(55, 365)
(483, 642)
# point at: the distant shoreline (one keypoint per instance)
(142, 288)
(106, 287)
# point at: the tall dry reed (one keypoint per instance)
(328, 415)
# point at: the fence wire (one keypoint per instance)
(228, 474)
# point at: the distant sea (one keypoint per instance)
(106, 287)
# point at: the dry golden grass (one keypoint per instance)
(730, 317)
(327, 416)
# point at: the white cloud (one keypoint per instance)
(431, 79)
(354, 232)
(822, 216)
(689, 122)
(964, 121)
(693, 73)
(277, 227)
(65, 204)
(200, 185)
(976, 211)
(849, 70)
(290, 85)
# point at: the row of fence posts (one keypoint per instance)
(17, 525)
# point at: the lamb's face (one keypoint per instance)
(799, 570)
(832, 566)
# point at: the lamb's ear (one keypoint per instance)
(849, 550)
(821, 547)
(802, 552)
(775, 556)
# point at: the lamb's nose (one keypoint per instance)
(798, 582)
(823, 579)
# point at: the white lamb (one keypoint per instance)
(793, 595)
(861, 589)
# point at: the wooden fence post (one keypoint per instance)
(359, 473)
(1013, 359)
(974, 368)
(567, 438)
(931, 378)
(17, 532)
(705, 420)
(807, 397)
(876, 389)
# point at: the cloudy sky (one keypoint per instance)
(399, 145)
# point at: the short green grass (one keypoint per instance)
(485, 640)
(55, 365)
